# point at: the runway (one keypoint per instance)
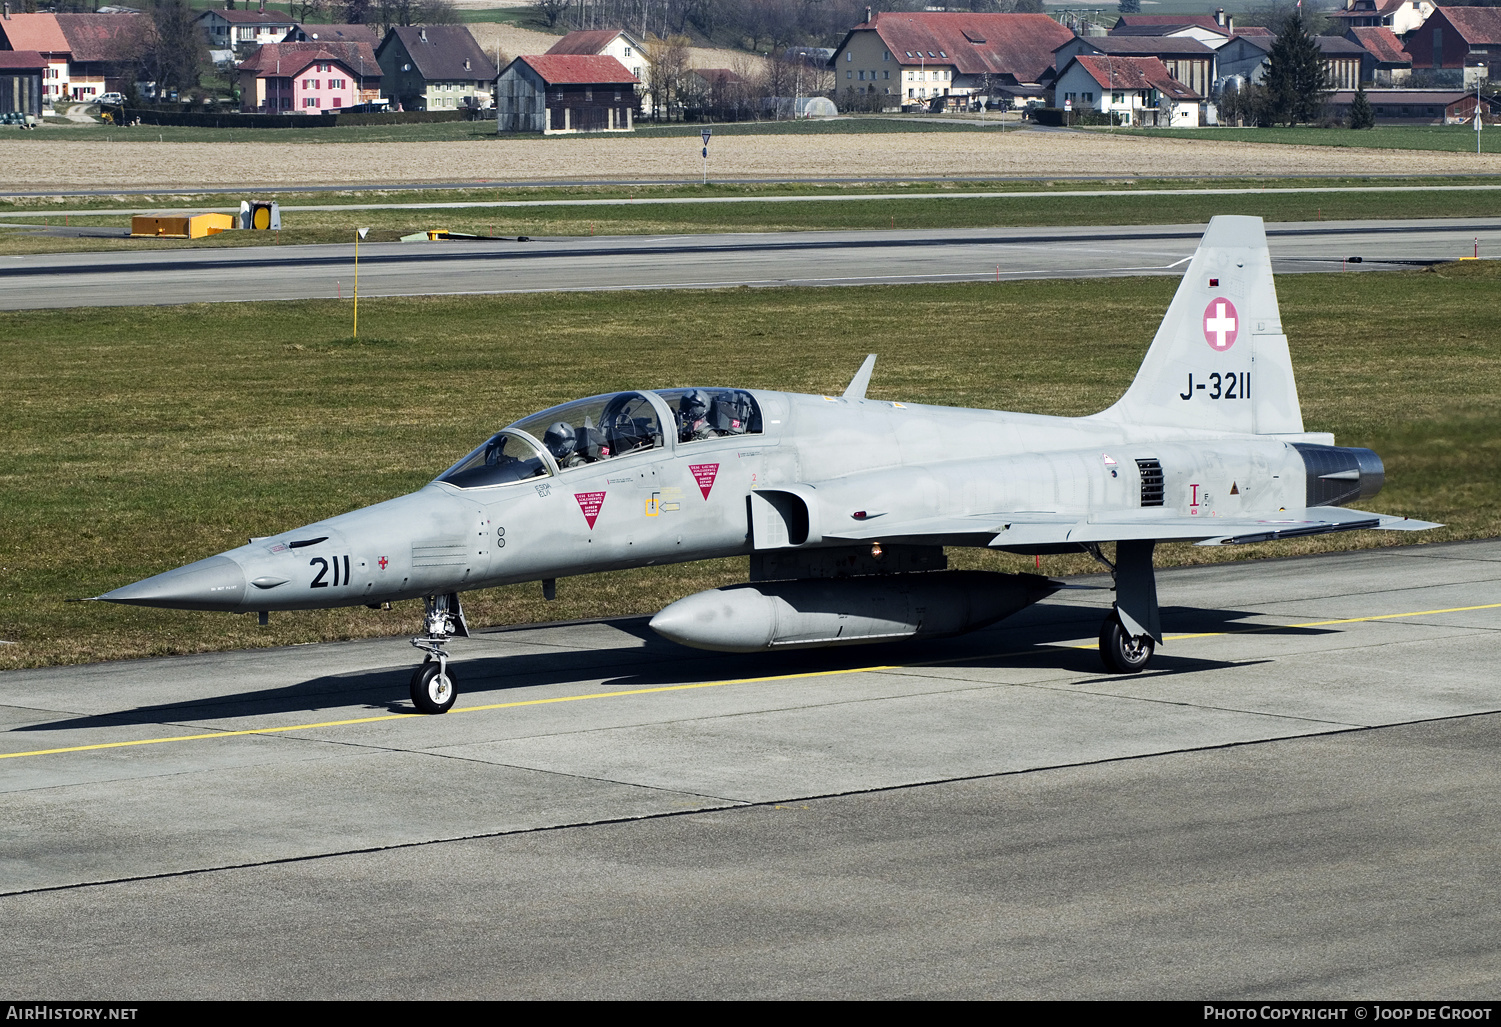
(1298, 799)
(704, 261)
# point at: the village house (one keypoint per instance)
(1401, 16)
(615, 43)
(309, 78)
(239, 30)
(86, 54)
(1136, 90)
(435, 68)
(1245, 58)
(1386, 61)
(1213, 30)
(1413, 106)
(565, 93)
(1186, 59)
(21, 81)
(913, 57)
(301, 33)
(1457, 46)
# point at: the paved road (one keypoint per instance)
(702, 261)
(1300, 799)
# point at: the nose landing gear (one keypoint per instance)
(433, 688)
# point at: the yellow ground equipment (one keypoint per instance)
(195, 227)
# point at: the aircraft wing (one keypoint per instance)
(1043, 528)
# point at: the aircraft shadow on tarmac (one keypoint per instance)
(1029, 639)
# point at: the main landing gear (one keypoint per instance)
(1130, 634)
(433, 688)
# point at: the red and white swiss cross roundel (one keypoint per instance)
(1221, 324)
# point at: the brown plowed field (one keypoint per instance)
(41, 165)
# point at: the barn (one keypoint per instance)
(557, 93)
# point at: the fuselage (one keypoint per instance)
(855, 461)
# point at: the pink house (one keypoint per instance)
(298, 78)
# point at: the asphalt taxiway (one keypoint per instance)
(706, 261)
(1299, 799)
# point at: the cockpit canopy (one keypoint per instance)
(588, 431)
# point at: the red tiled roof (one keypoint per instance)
(1019, 45)
(34, 32)
(106, 37)
(1367, 10)
(238, 17)
(579, 69)
(1255, 30)
(1133, 73)
(1381, 43)
(1167, 23)
(339, 34)
(22, 60)
(589, 41)
(1475, 24)
(1145, 46)
(284, 60)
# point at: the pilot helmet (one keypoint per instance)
(694, 405)
(560, 440)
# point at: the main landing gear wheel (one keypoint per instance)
(1121, 652)
(432, 687)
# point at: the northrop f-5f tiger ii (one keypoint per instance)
(845, 504)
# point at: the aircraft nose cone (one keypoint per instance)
(217, 583)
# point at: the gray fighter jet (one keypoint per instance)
(845, 504)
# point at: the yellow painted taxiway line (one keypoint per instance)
(461, 709)
(208, 735)
(1263, 628)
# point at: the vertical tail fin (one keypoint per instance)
(1219, 360)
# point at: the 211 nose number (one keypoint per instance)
(324, 566)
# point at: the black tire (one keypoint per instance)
(1120, 652)
(433, 692)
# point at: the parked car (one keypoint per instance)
(111, 99)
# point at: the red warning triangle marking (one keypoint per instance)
(704, 474)
(1234, 489)
(589, 503)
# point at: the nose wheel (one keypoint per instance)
(433, 688)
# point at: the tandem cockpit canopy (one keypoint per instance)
(588, 431)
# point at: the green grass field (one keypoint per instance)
(135, 439)
(903, 212)
(1459, 138)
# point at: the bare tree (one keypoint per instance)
(178, 54)
(552, 10)
(669, 63)
(309, 9)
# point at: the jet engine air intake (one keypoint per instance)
(780, 518)
(1340, 474)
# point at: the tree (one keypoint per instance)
(1296, 80)
(355, 12)
(552, 10)
(1129, 7)
(669, 63)
(307, 10)
(1029, 7)
(177, 55)
(1361, 115)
